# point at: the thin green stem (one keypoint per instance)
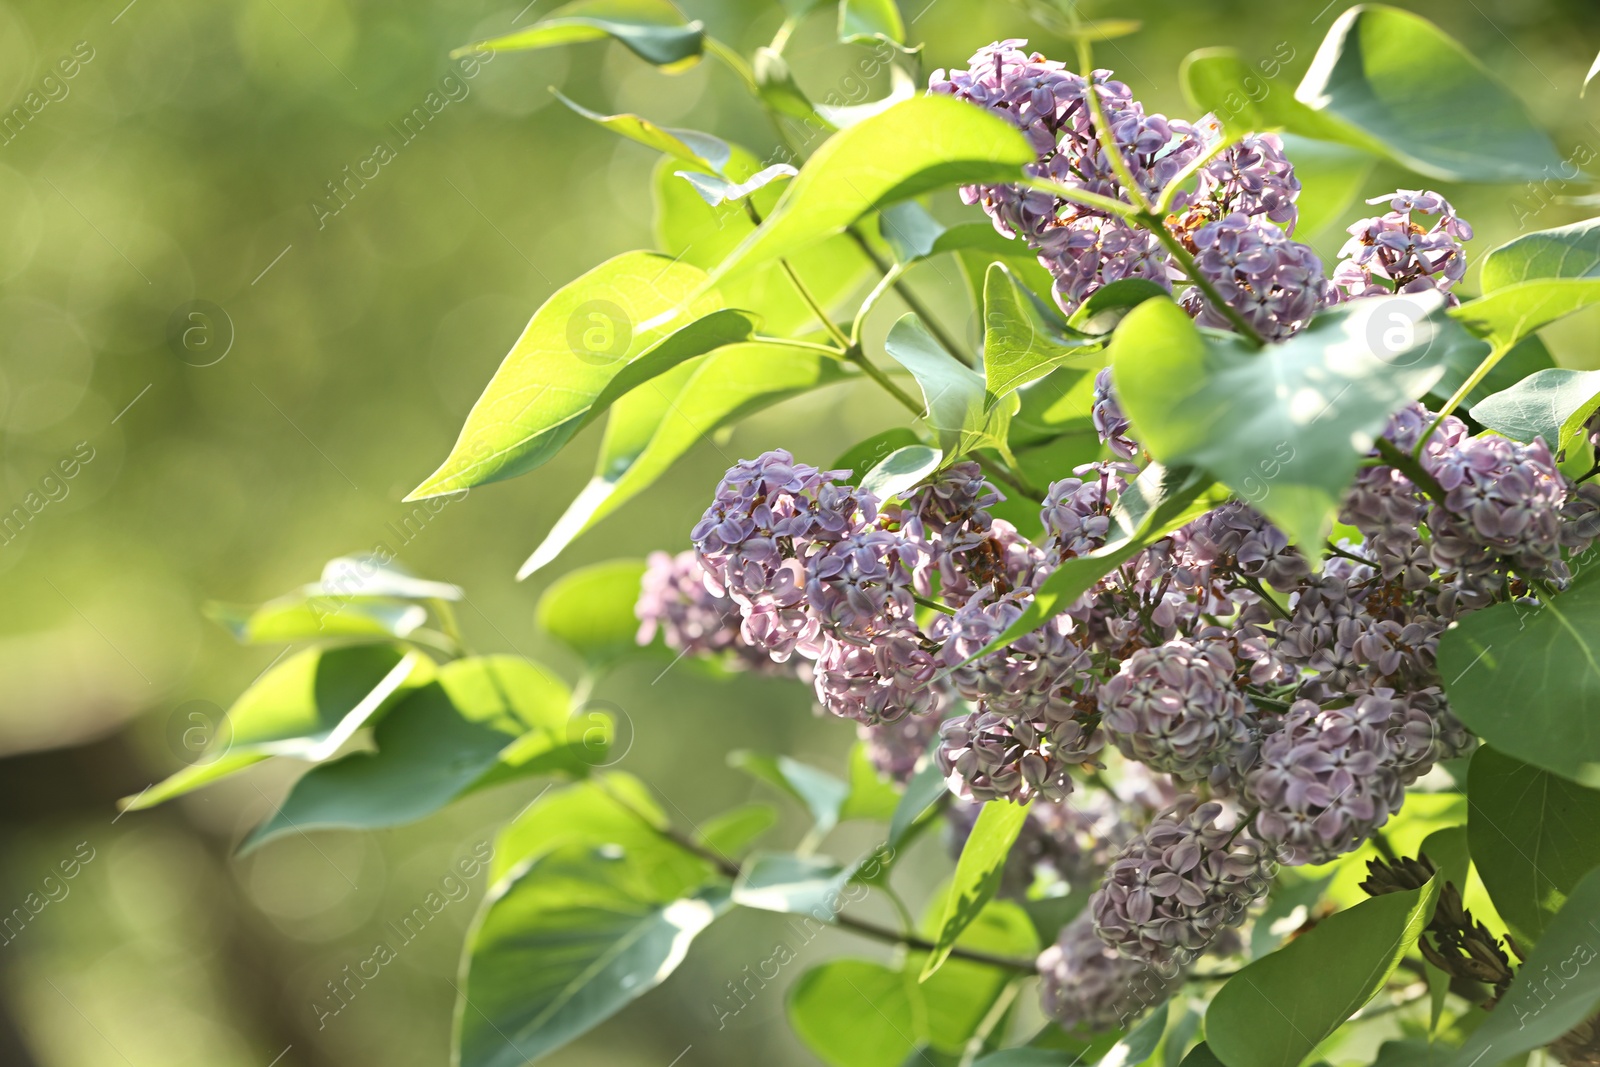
(1186, 261)
(780, 40)
(1108, 142)
(1175, 186)
(873, 371)
(734, 62)
(809, 346)
(1495, 355)
(1083, 196)
(911, 299)
(815, 306)
(1244, 824)
(934, 604)
(1001, 472)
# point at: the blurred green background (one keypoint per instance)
(179, 163)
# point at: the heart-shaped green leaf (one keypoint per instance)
(1287, 426)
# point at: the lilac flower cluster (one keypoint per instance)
(1235, 222)
(1273, 712)
(1393, 253)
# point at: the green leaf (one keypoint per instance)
(953, 392)
(1552, 403)
(1554, 991)
(370, 575)
(977, 877)
(715, 190)
(655, 426)
(590, 610)
(871, 796)
(1506, 316)
(1109, 305)
(1533, 834)
(608, 809)
(479, 716)
(914, 147)
(653, 30)
(1141, 1040)
(298, 617)
(1332, 177)
(702, 235)
(1564, 252)
(853, 1013)
(1220, 81)
(791, 884)
(865, 455)
(1285, 427)
(901, 470)
(1526, 358)
(1390, 81)
(568, 943)
(777, 87)
(819, 792)
(960, 996)
(1159, 501)
(691, 146)
(307, 707)
(1019, 344)
(590, 342)
(865, 21)
(1277, 1009)
(1526, 679)
(733, 832)
(921, 793)
(1201, 1056)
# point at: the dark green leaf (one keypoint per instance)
(654, 426)
(1526, 679)
(1285, 427)
(654, 30)
(1019, 344)
(821, 793)
(977, 876)
(1552, 404)
(592, 340)
(1201, 1056)
(1108, 305)
(1527, 357)
(914, 147)
(307, 707)
(954, 393)
(590, 610)
(568, 943)
(1533, 835)
(862, 457)
(1555, 990)
(1141, 1040)
(1391, 81)
(480, 716)
(1279, 1008)
(853, 1013)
